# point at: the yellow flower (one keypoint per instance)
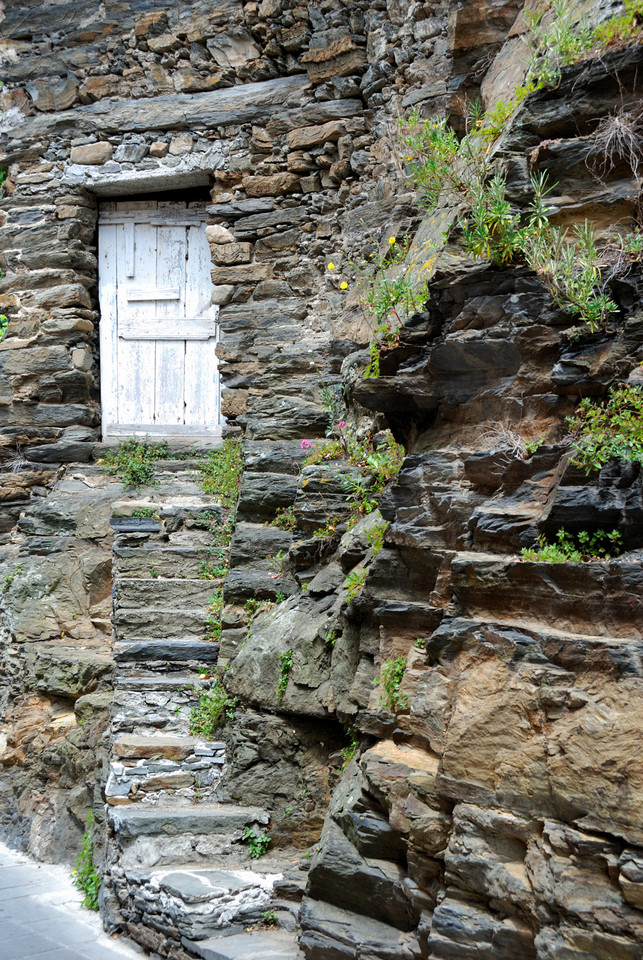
(331, 266)
(343, 285)
(392, 240)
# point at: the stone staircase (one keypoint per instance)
(180, 876)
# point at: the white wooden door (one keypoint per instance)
(158, 325)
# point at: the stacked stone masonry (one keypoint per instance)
(498, 814)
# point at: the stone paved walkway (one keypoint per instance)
(41, 917)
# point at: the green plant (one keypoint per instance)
(213, 620)
(4, 323)
(328, 531)
(389, 295)
(252, 608)
(277, 562)
(331, 638)
(85, 876)
(609, 430)
(285, 666)
(570, 267)
(578, 548)
(354, 582)
(269, 918)
(213, 708)
(390, 679)
(221, 471)
(621, 28)
(556, 41)
(375, 537)
(10, 577)
(420, 643)
(133, 462)
(257, 843)
(280, 597)
(285, 518)
(142, 512)
(350, 752)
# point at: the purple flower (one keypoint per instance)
(307, 444)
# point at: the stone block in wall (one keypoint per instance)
(316, 135)
(229, 254)
(242, 273)
(271, 186)
(339, 59)
(92, 153)
(50, 94)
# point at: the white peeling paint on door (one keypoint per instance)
(158, 327)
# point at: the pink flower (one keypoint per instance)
(342, 423)
(307, 444)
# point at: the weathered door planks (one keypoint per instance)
(158, 326)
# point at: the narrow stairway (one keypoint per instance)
(181, 878)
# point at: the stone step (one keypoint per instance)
(253, 945)
(160, 594)
(202, 819)
(604, 598)
(203, 903)
(201, 834)
(159, 624)
(164, 769)
(158, 561)
(151, 702)
(187, 652)
(163, 747)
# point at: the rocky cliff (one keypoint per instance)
(484, 800)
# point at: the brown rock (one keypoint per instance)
(47, 95)
(340, 59)
(245, 273)
(159, 149)
(95, 88)
(315, 136)
(92, 154)
(271, 186)
(150, 24)
(231, 253)
(138, 748)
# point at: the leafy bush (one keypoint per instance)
(580, 548)
(133, 462)
(85, 876)
(214, 707)
(221, 471)
(605, 431)
(375, 537)
(257, 843)
(571, 271)
(556, 45)
(350, 752)
(285, 518)
(390, 679)
(285, 666)
(213, 620)
(355, 582)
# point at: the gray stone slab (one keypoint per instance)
(135, 821)
(268, 945)
(241, 104)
